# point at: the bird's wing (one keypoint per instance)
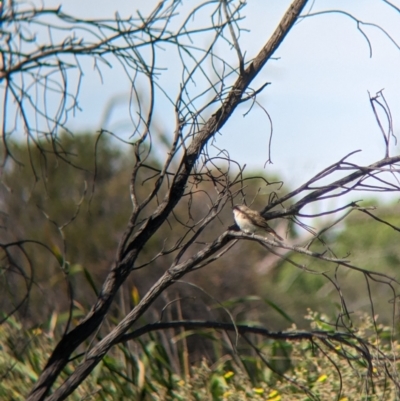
(267, 228)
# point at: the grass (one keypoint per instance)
(146, 370)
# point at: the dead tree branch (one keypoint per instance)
(126, 259)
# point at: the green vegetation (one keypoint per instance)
(371, 246)
(145, 370)
(54, 208)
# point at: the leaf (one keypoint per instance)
(279, 310)
(90, 280)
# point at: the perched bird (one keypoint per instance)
(251, 221)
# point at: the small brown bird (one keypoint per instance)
(251, 221)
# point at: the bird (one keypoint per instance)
(250, 221)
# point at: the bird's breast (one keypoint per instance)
(245, 224)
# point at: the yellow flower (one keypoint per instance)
(272, 394)
(322, 378)
(344, 399)
(228, 374)
(258, 390)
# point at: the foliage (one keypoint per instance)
(144, 370)
(362, 241)
(158, 373)
(56, 210)
(67, 202)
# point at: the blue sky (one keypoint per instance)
(318, 98)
